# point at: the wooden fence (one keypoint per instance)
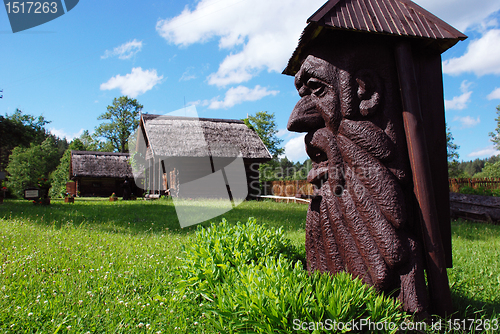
(473, 207)
(456, 184)
(303, 189)
(299, 188)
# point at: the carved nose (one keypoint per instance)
(305, 117)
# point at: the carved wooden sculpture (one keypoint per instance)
(374, 213)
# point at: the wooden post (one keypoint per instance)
(439, 289)
(150, 176)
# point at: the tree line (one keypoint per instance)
(33, 157)
(478, 168)
(279, 168)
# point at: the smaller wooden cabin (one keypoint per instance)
(100, 174)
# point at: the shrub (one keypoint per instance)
(495, 192)
(468, 190)
(479, 191)
(60, 176)
(250, 279)
(28, 165)
(218, 250)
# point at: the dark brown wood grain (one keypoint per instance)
(369, 76)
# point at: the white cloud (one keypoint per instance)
(282, 133)
(467, 121)
(189, 111)
(237, 95)
(285, 135)
(295, 149)
(482, 57)
(264, 32)
(188, 74)
(484, 153)
(124, 51)
(460, 13)
(494, 95)
(61, 133)
(135, 83)
(460, 102)
(203, 103)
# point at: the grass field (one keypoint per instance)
(97, 266)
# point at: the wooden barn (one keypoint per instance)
(179, 151)
(100, 173)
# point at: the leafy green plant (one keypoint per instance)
(251, 279)
(217, 250)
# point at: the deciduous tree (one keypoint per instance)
(60, 176)
(451, 146)
(495, 135)
(454, 170)
(20, 129)
(263, 123)
(92, 143)
(490, 170)
(123, 115)
(28, 165)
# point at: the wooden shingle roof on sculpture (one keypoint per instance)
(100, 164)
(401, 18)
(172, 136)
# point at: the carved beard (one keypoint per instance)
(355, 222)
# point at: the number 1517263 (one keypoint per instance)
(27, 7)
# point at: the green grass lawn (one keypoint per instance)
(97, 266)
(475, 277)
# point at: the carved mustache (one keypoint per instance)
(321, 146)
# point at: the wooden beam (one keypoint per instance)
(437, 277)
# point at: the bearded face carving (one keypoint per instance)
(362, 218)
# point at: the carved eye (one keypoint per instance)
(316, 86)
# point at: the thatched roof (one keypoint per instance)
(399, 18)
(100, 164)
(170, 136)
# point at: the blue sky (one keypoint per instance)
(224, 56)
